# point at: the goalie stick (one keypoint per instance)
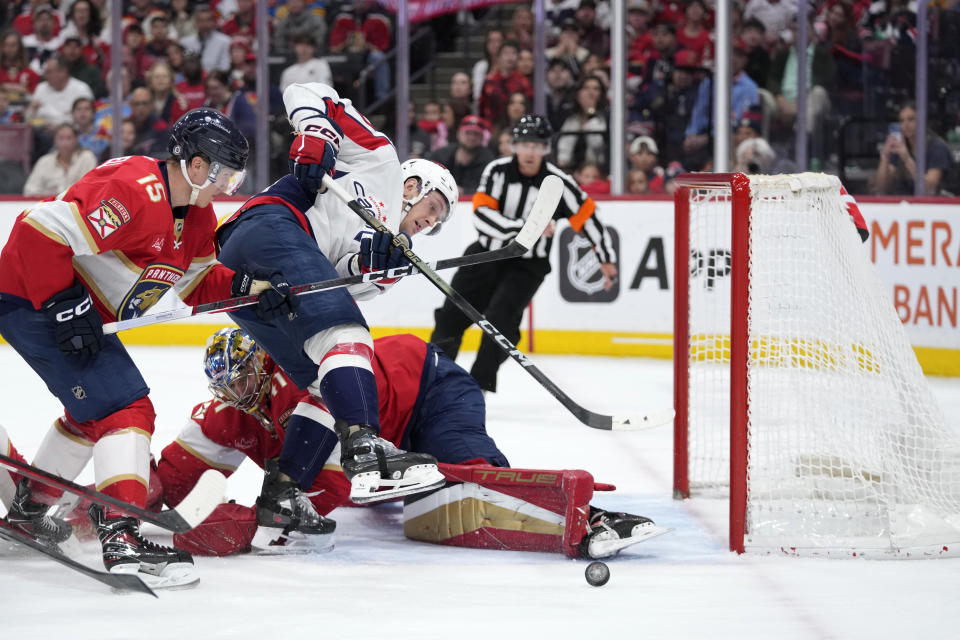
(192, 510)
(551, 190)
(522, 243)
(118, 581)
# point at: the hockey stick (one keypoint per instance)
(548, 197)
(515, 248)
(119, 581)
(192, 510)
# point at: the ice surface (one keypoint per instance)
(377, 584)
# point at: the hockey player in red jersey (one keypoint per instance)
(109, 247)
(326, 348)
(427, 404)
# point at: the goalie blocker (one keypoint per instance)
(480, 507)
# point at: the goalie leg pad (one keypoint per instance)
(511, 509)
(226, 531)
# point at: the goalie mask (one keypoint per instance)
(234, 365)
(430, 176)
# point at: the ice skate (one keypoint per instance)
(32, 518)
(286, 519)
(611, 532)
(378, 470)
(125, 550)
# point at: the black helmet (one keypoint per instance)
(534, 128)
(209, 133)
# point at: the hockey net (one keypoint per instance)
(797, 393)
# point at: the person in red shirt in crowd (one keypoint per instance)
(16, 76)
(135, 51)
(505, 80)
(243, 22)
(694, 35)
(639, 38)
(365, 30)
(193, 87)
(23, 23)
(592, 180)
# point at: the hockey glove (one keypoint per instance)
(273, 290)
(77, 325)
(378, 252)
(313, 154)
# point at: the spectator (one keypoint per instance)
(487, 64)
(556, 12)
(596, 66)
(135, 52)
(452, 114)
(659, 66)
(298, 19)
(168, 105)
(151, 138)
(85, 22)
(776, 16)
(517, 105)
(211, 45)
(592, 180)
(895, 174)
(42, 44)
(60, 168)
(525, 63)
(694, 35)
(239, 49)
(461, 91)
(175, 55)
(16, 76)
(503, 81)
(308, 67)
(434, 125)
(643, 157)
(521, 28)
(192, 87)
(23, 23)
(758, 57)
(467, 157)
(639, 37)
(637, 183)
(419, 139)
(755, 156)
(586, 127)
(568, 48)
(181, 18)
(749, 126)
(743, 95)
(592, 35)
(847, 50)
(8, 115)
(137, 10)
(89, 136)
(158, 35)
(55, 96)
(128, 137)
(365, 30)
(559, 92)
(72, 54)
(505, 144)
(243, 22)
(233, 104)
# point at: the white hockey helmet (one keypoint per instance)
(432, 176)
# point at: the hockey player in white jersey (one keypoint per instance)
(309, 235)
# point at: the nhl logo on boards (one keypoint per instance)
(79, 393)
(580, 277)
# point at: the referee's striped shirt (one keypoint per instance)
(504, 199)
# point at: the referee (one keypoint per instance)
(501, 290)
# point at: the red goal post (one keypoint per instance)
(797, 395)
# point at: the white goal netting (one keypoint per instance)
(847, 450)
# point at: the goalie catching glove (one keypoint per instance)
(77, 325)
(273, 290)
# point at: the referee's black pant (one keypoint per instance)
(500, 291)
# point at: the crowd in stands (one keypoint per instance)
(55, 58)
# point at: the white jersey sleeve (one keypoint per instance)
(367, 168)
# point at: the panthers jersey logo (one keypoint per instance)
(155, 281)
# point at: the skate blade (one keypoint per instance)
(607, 548)
(370, 487)
(179, 575)
(269, 541)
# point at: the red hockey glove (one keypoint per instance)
(313, 154)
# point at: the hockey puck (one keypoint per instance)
(597, 574)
